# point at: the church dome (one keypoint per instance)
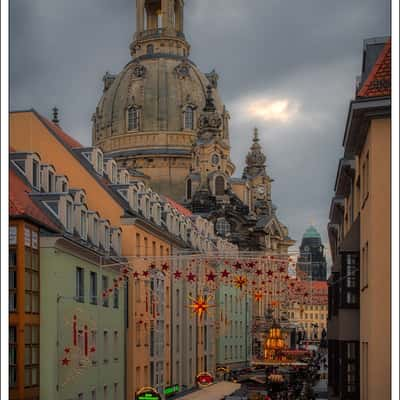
(311, 233)
(149, 115)
(161, 87)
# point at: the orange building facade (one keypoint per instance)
(26, 219)
(150, 227)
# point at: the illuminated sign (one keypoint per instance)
(204, 379)
(147, 393)
(170, 390)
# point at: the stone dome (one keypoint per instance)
(161, 87)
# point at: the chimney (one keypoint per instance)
(55, 116)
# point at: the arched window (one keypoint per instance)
(150, 49)
(219, 186)
(189, 189)
(133, 119)
(188, 119)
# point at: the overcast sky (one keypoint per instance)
(287, 67)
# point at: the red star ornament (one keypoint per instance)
(225, 273)
(177, 274)
(65, 361)
(211, 276)
(191, 277)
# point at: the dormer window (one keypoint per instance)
(106, 241)
(133, 118)
(69, 216)
(99, 162)
(123, 177)
(83, 225)
(96, 231)
(188, 118)
(50, 184)
(35, 174)
(114, 173)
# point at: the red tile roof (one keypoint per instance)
(178, 207)
(21, 204)
(379, 81)
(64, 137)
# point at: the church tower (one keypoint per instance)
(260, 183)
(149, 115)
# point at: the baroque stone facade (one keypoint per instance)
(163, 117)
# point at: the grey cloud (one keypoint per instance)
(307, 50)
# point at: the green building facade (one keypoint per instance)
(82, 332)
(234, 333)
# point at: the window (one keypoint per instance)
(351, 364)
(35, 173)
(12, 354)
(189, 189)
(79, 284)
(69, 216)
(189, 118)
(105, 389)
(80, 396)
(104, 281)
(12, 279)
(150, 49)
(83, 225)
(138, 334)
(177, 302)
(106, 237)
(219, 186)
(146, 247)
(106, 346)
(115, 391)
(31, 280)
(93, 343)
(364, 272)
(133, 119)
(51, 182)
(93, 394)
(116, 296)
(96, 231)
(93, 288)
(116, 346)
(138, 244)
(99, 162)
(31, 377)
(350, 282)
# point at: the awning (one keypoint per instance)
(214, 392)
(351, 242)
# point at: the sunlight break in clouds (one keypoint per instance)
(281, 110)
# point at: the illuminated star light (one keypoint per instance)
(200, 305)
(240, 281)
(258, 296)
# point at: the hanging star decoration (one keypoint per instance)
(258, 296)
(200, 305)
(237, 265)
(165, 267)
(177, 275)
(211, 277)
(191, 277)
(225, 273)
(240, 281)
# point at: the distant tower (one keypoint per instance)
(312, 259)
